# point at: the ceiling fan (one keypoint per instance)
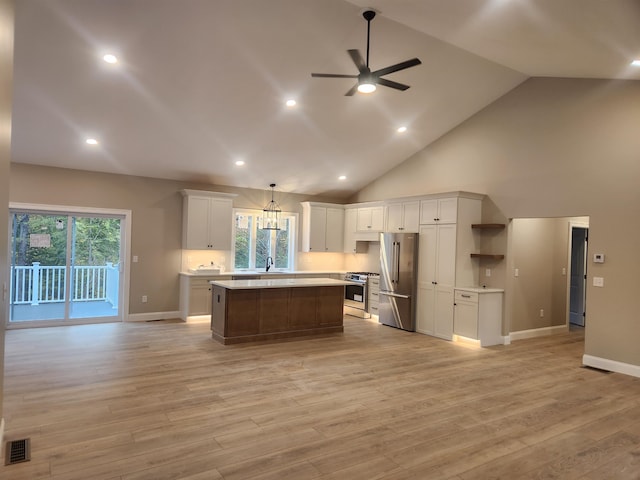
(367, 80)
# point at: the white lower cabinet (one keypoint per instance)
(374, 295)
(195, 295)
(478, 315)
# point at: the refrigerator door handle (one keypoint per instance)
(393, 263)
(397, 295)
(397, 264)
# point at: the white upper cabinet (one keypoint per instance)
(439, 210)
(350, 225)
(370, 219)
(322, 227)
(403, 217)
(207, 219)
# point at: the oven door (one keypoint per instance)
(355, 296)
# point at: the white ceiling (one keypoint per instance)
(202, 83)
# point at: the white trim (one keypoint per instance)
(125, 242)
(206, 193)
(146, 317)
(60, 323)
(611, 365)
(2, 436)
(537, 332)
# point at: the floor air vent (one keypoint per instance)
(18, 451)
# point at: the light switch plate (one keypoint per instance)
(598, 281)
(598, 258)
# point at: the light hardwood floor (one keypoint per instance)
(162, 400)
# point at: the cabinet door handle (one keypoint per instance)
(465, 296)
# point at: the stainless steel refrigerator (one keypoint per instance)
(398, 280)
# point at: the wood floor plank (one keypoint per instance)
(162, 400)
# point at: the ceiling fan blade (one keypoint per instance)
(333, 75)
(352, 91)
(358, 60)
(389, 83)
(398, 66)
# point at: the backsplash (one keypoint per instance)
(364, 262)
(350, 262)
(195, 258)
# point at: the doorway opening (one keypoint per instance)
(66, 266)
(578, 247)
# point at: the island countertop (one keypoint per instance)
(279, 283)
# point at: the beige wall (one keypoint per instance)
(553, 148)
(156, 207)
(539, 250)
(6, 79)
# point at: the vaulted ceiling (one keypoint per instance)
(201, 84)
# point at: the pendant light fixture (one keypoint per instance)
(271, 213)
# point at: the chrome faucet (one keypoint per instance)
(269, 264)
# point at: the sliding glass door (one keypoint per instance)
(65, 268)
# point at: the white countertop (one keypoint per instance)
(241, 273)
(480, 289)
(279, 283)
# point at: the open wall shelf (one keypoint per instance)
(488, 226)
(489, 256)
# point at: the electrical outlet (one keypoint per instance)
(564, 271)
(135, 259)
(487, 272)
(144, 299)
(516, 272)
(541, 313)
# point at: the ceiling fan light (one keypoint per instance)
(367, 87)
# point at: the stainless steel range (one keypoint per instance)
(356, 296)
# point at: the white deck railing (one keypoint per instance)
(35, 284)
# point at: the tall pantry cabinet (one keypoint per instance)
(446, 244)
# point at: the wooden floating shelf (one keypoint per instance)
(490, 256)
(496, 226)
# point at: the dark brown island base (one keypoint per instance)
(251, 310)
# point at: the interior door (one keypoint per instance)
(578, 280)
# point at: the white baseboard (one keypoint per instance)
(146, 317)
(611, 365)
(1, 437)
(537, 332)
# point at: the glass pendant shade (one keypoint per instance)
(271, 213)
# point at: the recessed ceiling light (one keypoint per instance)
(402, 129)
(342, 177)
(91, 141)
(636, 63)
(110, 58)
(239, 162)
(291, 103)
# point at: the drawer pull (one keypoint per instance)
(465, 296)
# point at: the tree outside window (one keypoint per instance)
(253, 245)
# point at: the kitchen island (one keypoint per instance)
(250, 310)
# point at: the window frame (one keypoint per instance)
(257, 214)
